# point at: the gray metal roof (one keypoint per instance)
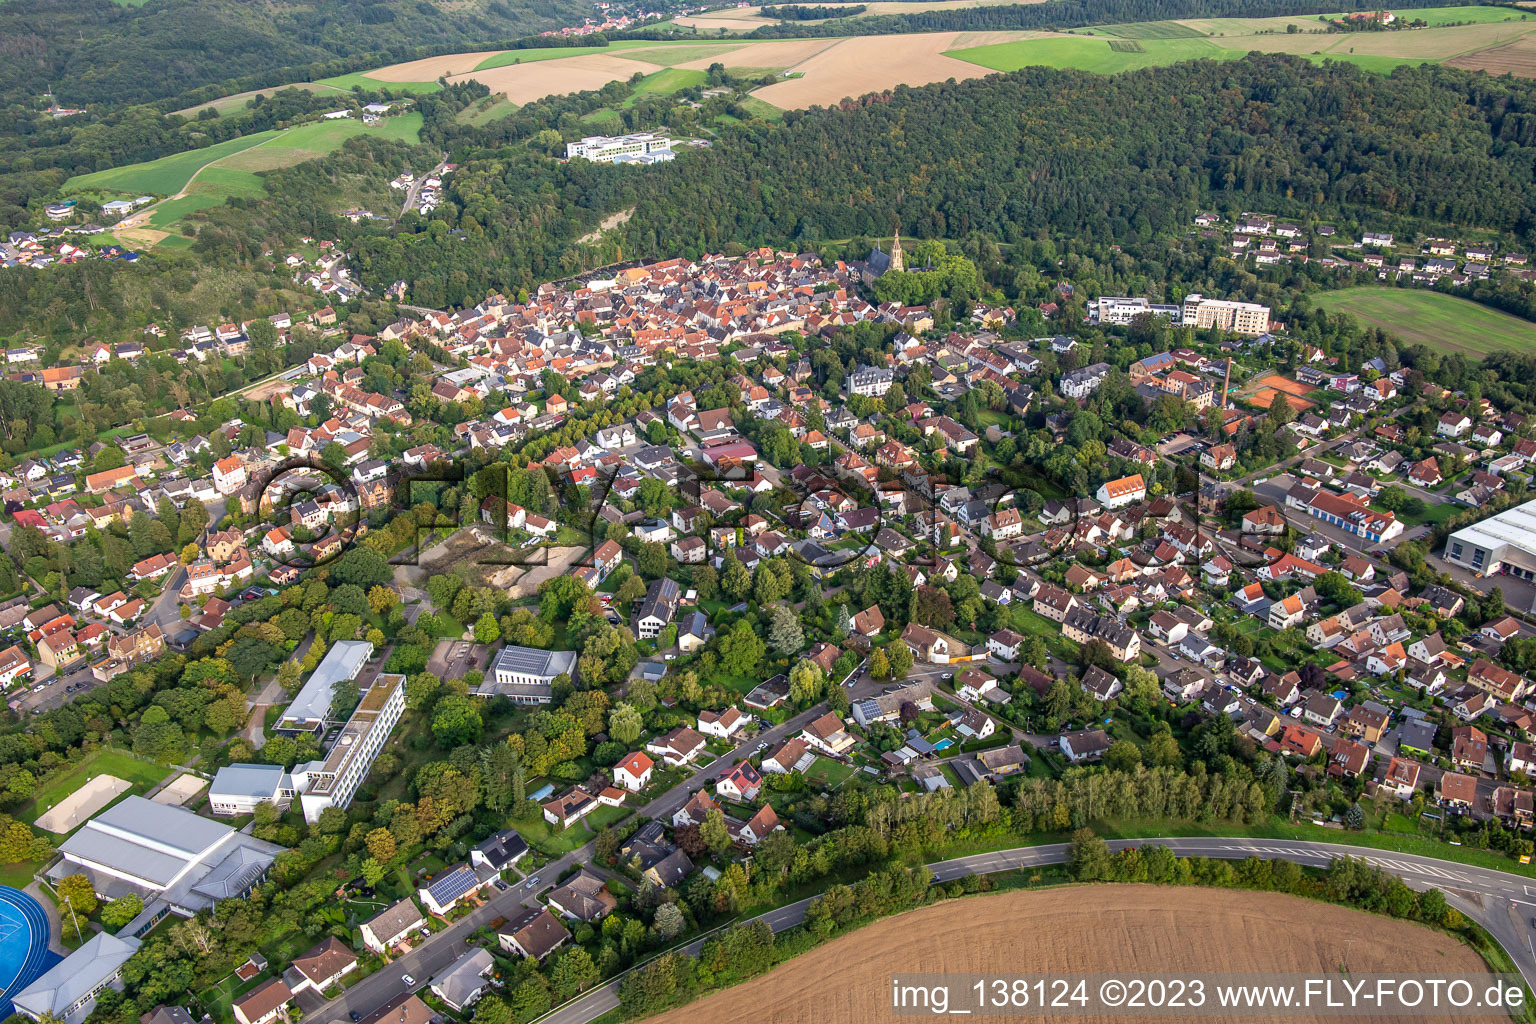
(247, 780)
(70, 980)
(343, 661)
(145, 839)
(188, 860)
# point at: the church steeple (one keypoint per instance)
(897, 263)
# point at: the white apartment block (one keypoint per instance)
(635, 148)
(1119, 311)
(333, 781)
(1248, 318)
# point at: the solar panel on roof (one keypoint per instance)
(453, 885)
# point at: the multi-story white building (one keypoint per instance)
(1248, 318)
(872, 381)
(333, 781)
(635, 148)
(1118, 311)
(241, 788)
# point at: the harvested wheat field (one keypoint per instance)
(430, 69)
(861, 64)
(1517, 58)
(524, 83)
(782, 53)
(1100, 929)
(745, 19)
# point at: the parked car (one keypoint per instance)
(408, 979)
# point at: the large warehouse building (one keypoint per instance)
(1505, 543)
(164, 853)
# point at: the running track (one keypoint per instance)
(38, 959)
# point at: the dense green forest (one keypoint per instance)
(1059, 14)
(97, 51)
(1087, 161)
(1038, 153)
(800, 12)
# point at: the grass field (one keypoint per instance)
(1459, 35)
(666, 81)
(1430, 318)
(478, 115)
(509, 57)
(346, 82)
(235, 101)
(1097, 55)
(142, 774)
(210, 176)
(167, 175)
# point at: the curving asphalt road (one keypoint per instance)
(1501, 902)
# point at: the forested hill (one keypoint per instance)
(1034, 154)
(1059, 14)
(101, 52)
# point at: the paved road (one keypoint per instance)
(1500, 901)
(448, 944)
(1495, 899)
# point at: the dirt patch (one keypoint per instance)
(863, 64)
(264, 392)
(1109, 928)
(430, 69)
(523, 580)
(179, 790)
(78, 808)
(608, 223)
(524, 83)
(143, 238)
(1517, 58)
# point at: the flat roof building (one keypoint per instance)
(165, 852)
(241, 788)
(1505, 543)
(1248, 318)
(311, 709)
(637, 147)
(525, 675)
(333, 781)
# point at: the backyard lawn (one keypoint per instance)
(556, 842)
(830, 773)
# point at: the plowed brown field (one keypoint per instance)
(1099, 929)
